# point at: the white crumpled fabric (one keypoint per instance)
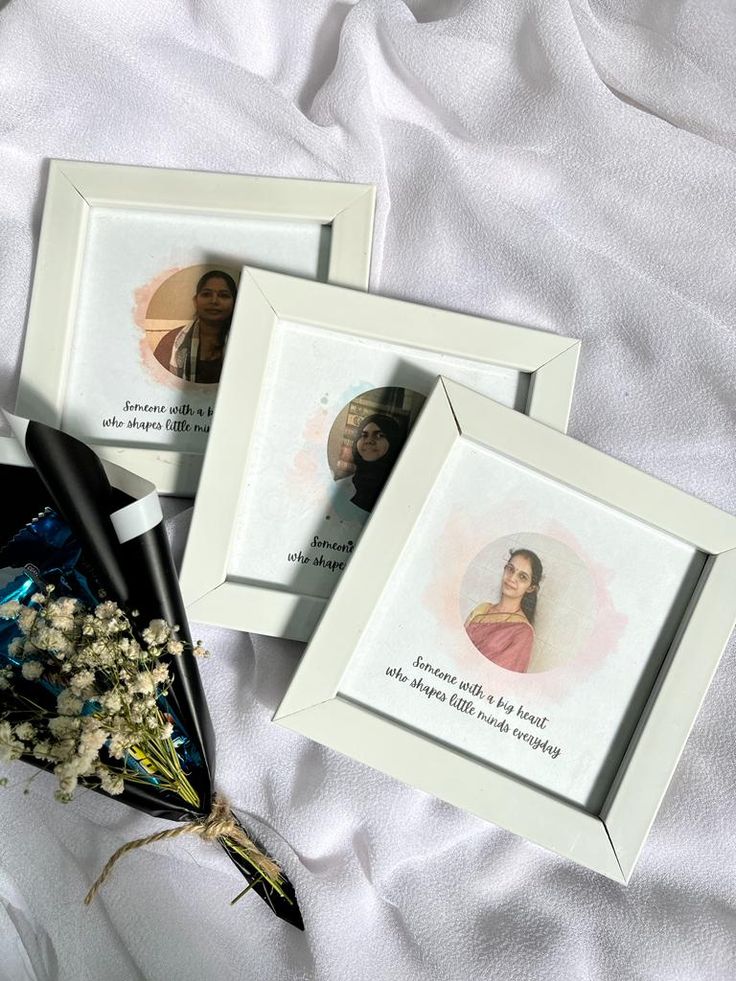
(566, 164)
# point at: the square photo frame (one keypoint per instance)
(134, 290)
(316, 400)
(564, 722)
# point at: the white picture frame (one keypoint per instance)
(267, 300)
(343, 214)
(610, 840)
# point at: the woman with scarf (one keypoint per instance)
(503, 632)
(375, 450)
(195, 351)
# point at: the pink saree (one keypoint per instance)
(509, 645)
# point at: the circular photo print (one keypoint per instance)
(528, 602)
(366, 439)
(188, 319)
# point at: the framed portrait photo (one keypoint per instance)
(135, 289)
(317, 399)
(526, 630)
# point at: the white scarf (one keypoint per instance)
(183, 360)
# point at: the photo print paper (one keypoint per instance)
(156, 297)
(334, 415)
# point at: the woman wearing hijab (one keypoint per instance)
(375, 450)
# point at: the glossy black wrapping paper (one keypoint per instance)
(140, 575)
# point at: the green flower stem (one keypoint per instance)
(274, 883)
(166, 761)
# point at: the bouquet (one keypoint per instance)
(98, 675)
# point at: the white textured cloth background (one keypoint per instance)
(566, 164)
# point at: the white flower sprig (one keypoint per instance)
(107, 723)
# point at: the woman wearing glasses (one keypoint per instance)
(503, 631)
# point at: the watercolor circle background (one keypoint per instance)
(171, 304)
(401, 404)
(566, 608)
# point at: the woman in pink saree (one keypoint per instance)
(503, 631)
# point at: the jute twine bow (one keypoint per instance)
(220, 824)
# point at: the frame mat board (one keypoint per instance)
(74, 188)
(313, 705)
(267, 298)
(139, 573)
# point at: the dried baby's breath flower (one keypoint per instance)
(157, 632)
(142, 684)
(25, 731)
(10, 747)
(82, 681)
(111, 702)
(32, 670)
(41, 636)
(106, 611)
(112, 783)
(111, 724)
(108, 685)
(26, 618)
(68, 703)
(65, 606)
(63, 725)
(42, 751)
(68, 774)
(119, 746)
(58, 642)
(16, 647)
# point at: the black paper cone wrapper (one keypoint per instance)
(140, 575)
